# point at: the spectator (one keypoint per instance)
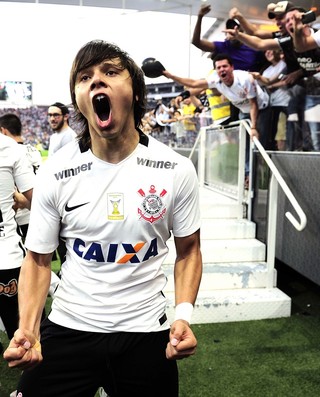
(243, 57)
(275, 11)
(298, 132)
(177, 129)
(189, 120)
(58, 115)
(271, 78)
(109, 303)
(236, 85)
(240, 88)
(219, 105)
(310, 63)
(303, 42)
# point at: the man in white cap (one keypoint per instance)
(298, 131)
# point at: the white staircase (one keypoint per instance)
(233, 286)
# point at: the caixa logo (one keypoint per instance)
(9, 289)
(116, 253)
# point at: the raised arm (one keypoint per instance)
(186, 81)
(24, 350)
(253, 41)
(247, 26)
(202, 44)
(302, 39)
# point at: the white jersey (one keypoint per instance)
(15, 170)
(59, 139)
(316, 36)
(35, 159)
(244, 87)
(116, 219)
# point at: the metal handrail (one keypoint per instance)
(275, 181)
(303, 219)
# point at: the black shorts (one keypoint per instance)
(9, 299)
(77, 363)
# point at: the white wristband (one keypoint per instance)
(184, 311)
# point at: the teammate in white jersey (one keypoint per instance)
(10, 125)
(115, 196)
(15, 170)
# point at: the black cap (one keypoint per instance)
(232, 23)
(296, 8)
(152, 68)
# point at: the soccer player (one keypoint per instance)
(15, 171)
(115, 195)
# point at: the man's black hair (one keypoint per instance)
(221, 57)
(93, 53)
(62, 107)
(12, 123)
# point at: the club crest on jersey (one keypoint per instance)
(115, 207)
(152, 207)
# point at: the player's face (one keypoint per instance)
(104, 96)
(225, 71)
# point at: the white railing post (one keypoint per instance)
(272, 230)
(202, 156)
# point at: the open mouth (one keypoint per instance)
(101, 106)
(223, 74)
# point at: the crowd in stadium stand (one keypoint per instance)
(36, 129)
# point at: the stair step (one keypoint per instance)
(223, 251)
(216, 205)
(217, 276)
(217, 211)
(236, 305)
(227, 229)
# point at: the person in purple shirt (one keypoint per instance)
(243, 57)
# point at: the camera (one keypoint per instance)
(308, 17)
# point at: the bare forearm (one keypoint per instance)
(257, 43)
(188, 272)
(302, 42)
(34, 282)
(187, 280)
(186, 81)
(197, 32)
(254, 111)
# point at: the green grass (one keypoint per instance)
(265, 358)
